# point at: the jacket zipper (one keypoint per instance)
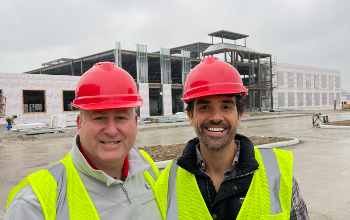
(235, 177)
(126, 193)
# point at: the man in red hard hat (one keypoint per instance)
(104, 176)
(220, 174)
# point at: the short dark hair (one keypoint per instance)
(239, 104)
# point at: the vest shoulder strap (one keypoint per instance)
(190, 196)
(149, 160)
(151, 176)
(161, 190)
(180, 197)
(270, 192)
(79, 201)
(44, 187)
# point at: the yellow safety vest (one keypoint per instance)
(180, 198)
(45, 187)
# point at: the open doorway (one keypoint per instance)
(155, 102)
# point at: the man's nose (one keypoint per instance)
(111, 127)
(216, 114)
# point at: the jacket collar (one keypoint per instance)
(137, 164)
(247, 162)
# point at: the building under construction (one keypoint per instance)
(160, 76)
(171, 66)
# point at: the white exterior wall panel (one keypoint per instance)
(144, 93)
(167, 100)
(313, 71)
(13, 84)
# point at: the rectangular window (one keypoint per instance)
(331, 82)
(308, 99)
(281, 99)
(324, 98)
(324, 83)
(337, 82)
(317, 81)
(331, 99)
(34, 101)
(68, 97)
(317, 99)
(291, 99)
(308, 80)
(280, 79)
(300, 99)
(290, 80)
(300, 80)
(338, 98)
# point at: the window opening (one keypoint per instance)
(34, 101)
(67, 98)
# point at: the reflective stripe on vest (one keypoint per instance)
(58, 172)
(172, 212)
(274, 192)
(62, 193)
(273, 176)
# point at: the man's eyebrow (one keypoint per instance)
(228, 101)
(105, 113)
(201, 102)
(98, 113)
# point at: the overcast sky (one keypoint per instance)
(304, 32)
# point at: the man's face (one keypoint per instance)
(107, 135)
(215, 120)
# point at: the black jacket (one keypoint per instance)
(226, 203)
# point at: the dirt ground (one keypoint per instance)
(339, 123)
(169, 152)
(157, 153)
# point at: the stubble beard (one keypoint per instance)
(215, 143)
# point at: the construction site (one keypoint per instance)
(34, 96)
(280, 103)
(320, 155)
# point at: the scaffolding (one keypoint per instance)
(118, 55)
(165, 66)
(274, 82)
(142, 63)
(255, 68)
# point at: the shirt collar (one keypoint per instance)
(125, 167)
(201, 162)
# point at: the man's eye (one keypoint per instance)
(226, 107)
(99, 118)
(121, 118)
(204, 107)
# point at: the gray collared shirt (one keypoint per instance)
(231, 172)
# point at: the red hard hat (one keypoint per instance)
(106, 86)
(213, 77)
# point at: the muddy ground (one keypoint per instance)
(157, 153)
(169, 152)
(339, 123)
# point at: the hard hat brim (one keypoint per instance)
(109, 105)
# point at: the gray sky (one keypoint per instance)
(309, 32)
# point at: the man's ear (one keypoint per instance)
(239, 119)
(79, 121)
(135, 118)
(190, 116)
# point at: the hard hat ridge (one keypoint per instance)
(106, 86)
(213, 77)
